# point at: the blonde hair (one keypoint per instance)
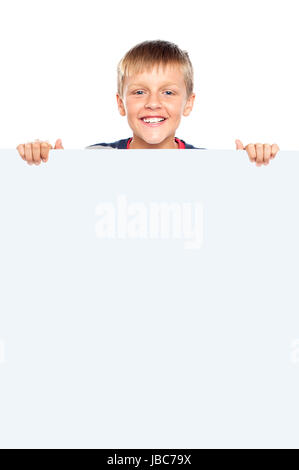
(147, 54)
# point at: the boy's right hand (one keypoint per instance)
(37, 151)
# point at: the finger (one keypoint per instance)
(267, 153)
(250, 149)
(239, 145)
(259, 153)
(21, 150)
(274, 150)
(58, 144)
(36, 152)
(45, 149)
(28, 153)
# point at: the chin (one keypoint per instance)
(152, 140)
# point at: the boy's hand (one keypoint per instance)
(259, 153)
(37, 151)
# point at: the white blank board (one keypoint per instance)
(141, 342)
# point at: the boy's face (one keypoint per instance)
(155, 93)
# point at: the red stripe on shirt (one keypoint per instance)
(181, 144)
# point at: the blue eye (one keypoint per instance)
(137, 92)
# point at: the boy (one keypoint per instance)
(154, 90)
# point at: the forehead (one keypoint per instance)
(170, 74)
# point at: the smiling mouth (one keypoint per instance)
(153, 124)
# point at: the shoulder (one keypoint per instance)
(189, 146)
(118, 144)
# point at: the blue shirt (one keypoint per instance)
(123, 144)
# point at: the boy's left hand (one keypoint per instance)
(261, 154)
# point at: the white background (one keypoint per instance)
(59, 58)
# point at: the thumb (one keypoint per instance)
(58, 144)
(239, 145)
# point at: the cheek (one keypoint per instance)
(132, 108)
(176, 108)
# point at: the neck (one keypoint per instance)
(137, 143)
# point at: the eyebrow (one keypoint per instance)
(164, 84)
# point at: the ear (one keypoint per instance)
(120, 105)
(189, 105)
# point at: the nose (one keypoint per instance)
(153, 101)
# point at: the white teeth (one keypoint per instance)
(153, 120)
